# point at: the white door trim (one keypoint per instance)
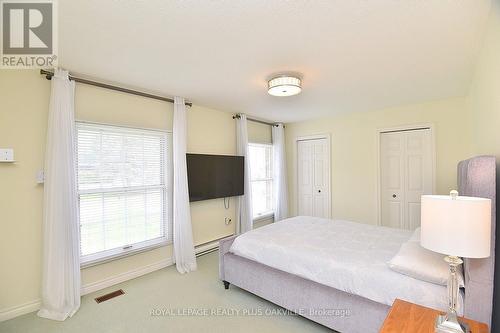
(401, 128)
(326, 136)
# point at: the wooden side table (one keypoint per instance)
(406, 317)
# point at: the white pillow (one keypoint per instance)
(419, 263)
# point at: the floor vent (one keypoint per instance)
(108, 296)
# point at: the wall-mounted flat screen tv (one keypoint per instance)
(214, 176)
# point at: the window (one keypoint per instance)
(261, 178)
(123, 190)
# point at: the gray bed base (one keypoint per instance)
(301, 295)
(350, 313)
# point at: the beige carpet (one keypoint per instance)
(218, 310)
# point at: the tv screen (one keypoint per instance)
(214, 176)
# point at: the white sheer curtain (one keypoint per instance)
(185, 258)
(61, 237)
(244, 207)
(279, 174)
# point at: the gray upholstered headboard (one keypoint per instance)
(476, 178)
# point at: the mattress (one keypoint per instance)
(344, 255)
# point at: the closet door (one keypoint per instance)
(392, 178)
(405, 175)
(313, 162)
(305, 177)
(418, 153)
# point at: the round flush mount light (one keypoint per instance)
(284, 86)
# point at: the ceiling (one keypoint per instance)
(353, 55)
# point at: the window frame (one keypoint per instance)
(143, 246)
(269, 214)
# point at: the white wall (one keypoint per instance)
(259, 133)
(484, 98)
(23, 120)
(354, 152)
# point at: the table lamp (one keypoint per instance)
(455, 226)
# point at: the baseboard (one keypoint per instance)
(22, 309)
(122, 277)
(19, 310)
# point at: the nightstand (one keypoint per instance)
(406, 317)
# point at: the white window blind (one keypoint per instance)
(123, 189)
(261, 178)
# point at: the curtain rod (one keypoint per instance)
(237, 116)
(49, 75)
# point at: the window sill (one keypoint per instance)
(121, 253)
(263, 217)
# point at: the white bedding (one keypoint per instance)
(344, 255)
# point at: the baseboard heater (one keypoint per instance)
(208, 247)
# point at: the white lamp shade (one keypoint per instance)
(459, 226)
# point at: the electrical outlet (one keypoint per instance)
(40, 177)
(7, 155)
(227, 220)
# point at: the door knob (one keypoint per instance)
(394, 196)
(319, 191)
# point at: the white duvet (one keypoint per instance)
(344, 255)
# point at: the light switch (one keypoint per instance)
(6, 155)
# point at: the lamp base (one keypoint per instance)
(449, 323)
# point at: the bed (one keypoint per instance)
(346, 285)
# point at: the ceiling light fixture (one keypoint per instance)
(284, 85)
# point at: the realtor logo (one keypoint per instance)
(28, 34)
